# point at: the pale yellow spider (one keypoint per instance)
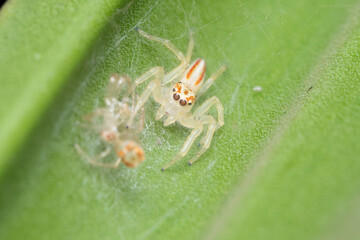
(177, 100)
(110, 124)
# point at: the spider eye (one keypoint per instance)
(174, 89)
(183, 102)
(189, 103)
(176, 96)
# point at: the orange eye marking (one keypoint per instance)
(121, 154)
(188, 75)
(178, 86)
(190, 99)
(186, 92)
(200, 78)
(139, 153)
(129, 146)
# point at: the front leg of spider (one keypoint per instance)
(153, 87)
(207, 119)
(197, 122)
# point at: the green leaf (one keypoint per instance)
(284, 165)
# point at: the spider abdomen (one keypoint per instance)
(194, 75)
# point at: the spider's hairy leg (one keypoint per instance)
(211, 80)
(163, 101)
(141, 121)
(115, 86)
(108, 165)
(173, 74)
(160, 112)
(166, 42)
(190, 47)
(154, 86)
(186, 147)
(157, 71)
(207, 119)
(197, 129)
(169, 77)
(93, 160)
(200, 111)
(205, 142)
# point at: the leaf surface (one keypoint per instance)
(283, 166)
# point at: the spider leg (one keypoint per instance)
(166, 42)
(200, 111)
(197, 121)
(141, 121)
(93, 160)
(160, 112)
(154, 86)
(186, 147)
(205, 142)
(169, 77)
(211, 80)
(190, 47)
(108, 165)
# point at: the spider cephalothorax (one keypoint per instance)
(183, 94)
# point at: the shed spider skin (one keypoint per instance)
(176, 92)
(110, 124)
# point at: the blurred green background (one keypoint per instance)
(285, 165)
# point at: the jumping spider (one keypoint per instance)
(110, 124)
(177, 100)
